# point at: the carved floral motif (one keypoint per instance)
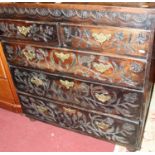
(89, 123)
(119, 41)
(77, 93)
(104, 17)
(97, 67)
(33, 31)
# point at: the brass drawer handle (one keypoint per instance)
(62, 56)
(69, 110)
(38, 82)
(29, 54)
(23, 30)
(41, 109)
(67, 84)
(101, 97)
(101, 67)
(100, 37)
(102, 126)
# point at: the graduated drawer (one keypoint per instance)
(81, 94)
(29, 31)
(106, 39)
(92, 124)
(121, 71)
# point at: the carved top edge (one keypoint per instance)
(143, 20)
(130, 7)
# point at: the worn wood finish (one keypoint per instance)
(8, 96)
(94, 14)
(2, 71)
(32, 31)
(74, 65)
(103, 39)
(115, 101)
(115, 70)
(99, 126)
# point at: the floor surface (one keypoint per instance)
(19, 134)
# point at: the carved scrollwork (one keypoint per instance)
(136, 67)
(103, 40)
(87, 95)
(105, 17)
(71, 118)
(33, 31)
(101, 68)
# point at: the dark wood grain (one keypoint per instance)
(75, 64)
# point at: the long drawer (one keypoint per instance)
(99, 126)
(80, 94)
(104, 39)
(120, 71)
(29, 31)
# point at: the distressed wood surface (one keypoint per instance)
(121, 102)
(112, 70)
(75, 64)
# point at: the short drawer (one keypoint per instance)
(82, 94)
(115, 40)
(2, 71)
(29, 31)
(92, 124)
(120, 71)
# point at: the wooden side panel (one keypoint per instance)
(13, 105)
(99, 126)
(2, 71)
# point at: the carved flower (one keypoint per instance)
(130, 97)
(136, 67)
(142, 38)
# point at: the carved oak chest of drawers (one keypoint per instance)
(82, 67)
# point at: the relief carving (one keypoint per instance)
(89, 123)
(98, 67)
(125, 42)
(87, 95)
(104, 17)
(36, 32)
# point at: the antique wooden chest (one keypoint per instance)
(82, 67)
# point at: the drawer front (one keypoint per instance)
(29, 31)
(115, 101)
(114, 40)
(112, 70)
(88, 123)
(2, 71)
